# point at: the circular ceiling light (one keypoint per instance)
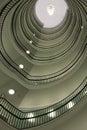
(21, 66)
(27, 51)
(31, 42)
(11, 91)
(81, 27)
(34, 35)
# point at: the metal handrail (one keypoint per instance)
(10, 113)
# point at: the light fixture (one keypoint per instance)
(50, 9)
(70, 105)
(81, 27)
(21, 66)
(31, 42)
(27, 51)
(11, 91)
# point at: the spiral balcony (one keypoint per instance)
(48, 66)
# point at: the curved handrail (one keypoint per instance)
(22, 120)
(45, 78)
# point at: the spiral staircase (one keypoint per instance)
(47, 67)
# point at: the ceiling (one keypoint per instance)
(44, 64)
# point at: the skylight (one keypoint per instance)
(51, 12)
